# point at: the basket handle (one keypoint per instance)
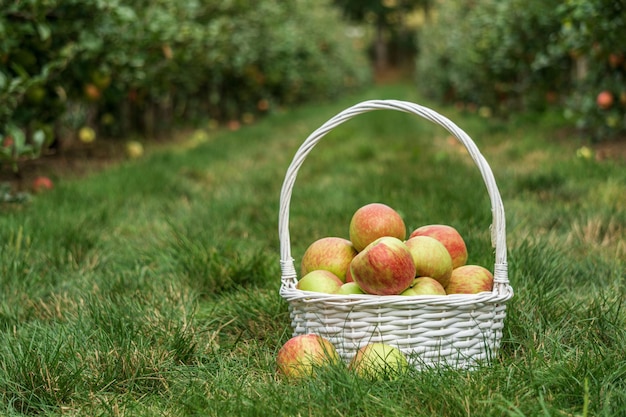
(498, 232)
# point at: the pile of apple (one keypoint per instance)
(379, 260)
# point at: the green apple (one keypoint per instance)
(320, 281)
(134, 149)
(379, 361)
(449, 237)
(86, 134)
(431, 258)
(375, 220)
(384, 267)
(302, 354)
(470, 279)
(425, 286)
(332, 254)
(350, 288)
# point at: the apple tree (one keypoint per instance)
(517, 55)
(490, 54)
(113, 68)
(592, 33)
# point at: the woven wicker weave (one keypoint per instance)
(460, 331)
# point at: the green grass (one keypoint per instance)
(152, 288)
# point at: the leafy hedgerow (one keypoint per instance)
(502, 57)
(120, 67)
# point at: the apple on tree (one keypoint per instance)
(425, 286)
(302, 354)
(449, 237)
(373, 221)
(377, 361)
(384, 267)
(332, 254)
(431, 258)
(604, 100)
(320, 281)
(470, 279)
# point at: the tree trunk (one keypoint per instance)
(380, 47)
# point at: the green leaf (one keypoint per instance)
(44, 31)
(19, 139)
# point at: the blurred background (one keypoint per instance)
(73, 71)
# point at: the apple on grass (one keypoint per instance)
(302, 354)
(449, 237)
(470, 279)
(320, 281)
(373, 221)
(42, 183)
(377, 361)
(384, 267)
(425, 286)
(134, 149)
(332, 254)
(431, 258)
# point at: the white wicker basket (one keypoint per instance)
(459, 331)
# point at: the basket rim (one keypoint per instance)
(502, 289)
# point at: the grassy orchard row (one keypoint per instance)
(378, 260)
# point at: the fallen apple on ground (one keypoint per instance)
(301, 355)
(384, 267)
(42, 183)
(379, 361)
(332, 254)
(470, 279)
(373, 221)
(134, 149)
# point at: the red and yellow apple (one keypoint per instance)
(425, 286)
(604, 100)
(332, 254)
(431, 258)
(470, 279)
(320, 281)
(449, 237)
(373, 221)
(384, 267)
(349, 275)
(379, 361)
(42, 183)
(301, 355)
